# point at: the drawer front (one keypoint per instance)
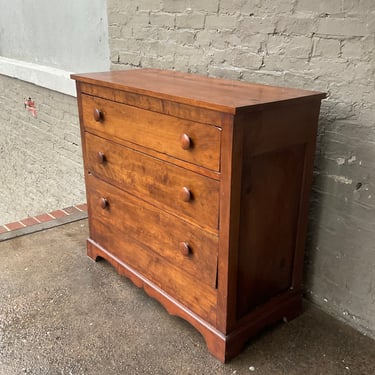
(186, 193)
(118, 217)
(186, 140)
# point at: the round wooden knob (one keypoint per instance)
(98, 115)
(185, 194)
(101, 157)
(186, 142)
(104, 203)
(184, 248)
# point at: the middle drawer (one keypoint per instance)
(173, 188)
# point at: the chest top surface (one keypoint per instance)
(211, 93)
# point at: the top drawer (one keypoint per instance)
(186, 140)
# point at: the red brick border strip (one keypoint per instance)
(43, 221)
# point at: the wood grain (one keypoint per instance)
(157, 182)
(140, 222)
(268, 205)
(154, 130)
(210, 93)
(160, 263)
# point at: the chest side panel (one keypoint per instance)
(278, 153)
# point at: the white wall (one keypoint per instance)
(41, 43)
(64, 36)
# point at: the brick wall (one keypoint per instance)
(40, 158)
(322, 45)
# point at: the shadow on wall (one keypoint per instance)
(339, 258)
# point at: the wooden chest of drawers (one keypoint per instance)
(198, 191)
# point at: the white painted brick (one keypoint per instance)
(129, 44)
(186, 58)
(304, 80)
(116, 44)
(35, 153)
(162, 19)
(204, 37)
(230, 6)
(341, 27)
(139, 19)
(116, 66)
(118, 18)
(186, 51)
(296, 46)
(156, 62)
(300, 47)
(127, 31)
(218, 40)
(149, 5)
(175, 5)
(327, 48)
(114, 56)
(232, 39)
(167, 48)
(224, 72)
(263, 76)
(207, 6)
(178, 36)
(114, 31)
(370, 22)
(257, 25)
(321, 7)
(186, 65)
(251, 7)
(295, 25)
(114, 6)
(184, 37)
(221, 22)
(282, 63)
(255, 42)
(243, 58)
(130, 58)
(272, 7)
(145, 32)
(190, 20)
(332, 72)
(198, 68)
(358, 6)
(218, 56)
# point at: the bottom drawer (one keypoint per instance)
(150, 241)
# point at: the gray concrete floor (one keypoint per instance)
(61, 313)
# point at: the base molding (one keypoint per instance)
(222, 346)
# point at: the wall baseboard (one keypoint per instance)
(44, 76)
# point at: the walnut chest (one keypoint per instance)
(198, 192)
